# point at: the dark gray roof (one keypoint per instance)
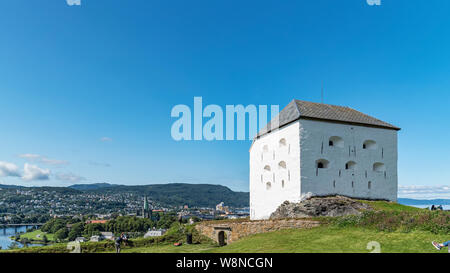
(298, 109)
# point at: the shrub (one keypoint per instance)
(437, 222)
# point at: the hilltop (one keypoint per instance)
(95, 186)
(177, 194)
(386, 226)
(174, 194)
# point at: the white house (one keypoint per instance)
(80, 239)
(155, 233)
(107, 235)
(96, 238)
(321, 149)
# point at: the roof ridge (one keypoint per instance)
(326, 112)
(370, 116)
(327, 104)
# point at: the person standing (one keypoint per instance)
(118, 242)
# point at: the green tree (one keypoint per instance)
(61, 234)
(166, 220)
(45, 239)
(57, 225)
(76, 231)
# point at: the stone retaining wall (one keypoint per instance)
(237, 230)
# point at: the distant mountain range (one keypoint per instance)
(176, 194)
(96, 186)
(416, 202)
(198, 195)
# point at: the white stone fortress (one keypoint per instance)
(321, 149)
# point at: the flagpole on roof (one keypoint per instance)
(322, 92)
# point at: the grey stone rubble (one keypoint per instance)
(320, 206)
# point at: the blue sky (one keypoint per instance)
(86, 91)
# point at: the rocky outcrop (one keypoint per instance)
(320, 206)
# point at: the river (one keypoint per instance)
(5, 233)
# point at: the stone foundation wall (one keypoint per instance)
(237, 230)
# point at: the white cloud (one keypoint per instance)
(73, 2)
(43, 159)
(30, 156)
(33, 172)
(424, 192)
(105, 139)
(99, 164)
(53, 161)
(70, 177)
(8, 169)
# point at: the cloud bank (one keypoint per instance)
(424, 192)
(105, 139)
(70, 177)
(43, 159)
(9, 169)
(99, 164)
(33, 172)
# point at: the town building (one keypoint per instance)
(320, 149)
(146, 211)
(80, 239)
(155, 233)
(107, 235)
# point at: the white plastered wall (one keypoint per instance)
(314, 143)
(284, 182)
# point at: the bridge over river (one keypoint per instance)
(3, 227)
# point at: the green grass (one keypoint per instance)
(328, 239)
(387, 225)
(391, 206)
(325, 239)
(170, 248)
(33, 235)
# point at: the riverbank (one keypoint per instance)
(8, 238)
(36, 236)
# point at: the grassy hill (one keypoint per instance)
(197, 195)
(397, 229)
(334, 240)
(174, 194)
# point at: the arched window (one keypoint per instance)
(351, 165)
(267, 168)
(268, 186)
(322, 164)
(282, 142)
(282, 183)
(336, 141)
(379, 167)
(369, 185)
(369, 145)
(282, 165)
(353, 184)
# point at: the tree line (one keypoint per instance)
(69, 228)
